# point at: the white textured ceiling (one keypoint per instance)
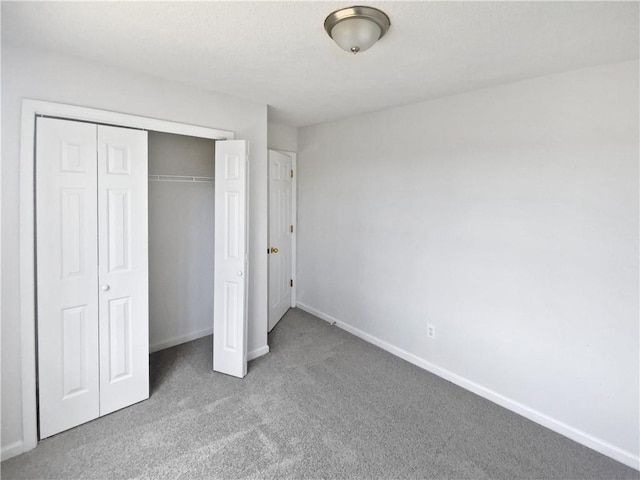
(278, 53)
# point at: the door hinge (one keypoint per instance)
(291, 228)
(291, 282)
(291, 173)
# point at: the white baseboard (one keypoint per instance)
(12, 450)
(258, 352)
(557, 426)
(172, 342)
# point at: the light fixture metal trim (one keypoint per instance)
(369, 13)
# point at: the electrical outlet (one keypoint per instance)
(431, 331)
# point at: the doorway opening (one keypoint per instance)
(181, 238)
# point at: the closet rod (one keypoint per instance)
(180, 178)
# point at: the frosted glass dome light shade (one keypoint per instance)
(356, 29)
(356, 34)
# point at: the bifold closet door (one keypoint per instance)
(67, 274)
(124, 265)
(231, 259)
(92, 285)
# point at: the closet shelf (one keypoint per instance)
(180, 178)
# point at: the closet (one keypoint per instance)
(92, 272)
(195, 224)
(181, 238)
(95, 200)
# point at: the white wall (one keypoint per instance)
(181, 240)
(36, 74)
(282, 137)
(508, 219)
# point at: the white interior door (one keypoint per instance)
(92, 281)
(280, 233)
(231, 261)
(123, 271)
(67, 274)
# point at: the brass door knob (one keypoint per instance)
(274, 250)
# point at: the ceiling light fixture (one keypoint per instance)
(356, 29)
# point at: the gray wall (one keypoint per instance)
(508, 219)
(181, 155)
(181, 240)
(282, 137)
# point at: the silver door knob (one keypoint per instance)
(105, 288)
(239, 274)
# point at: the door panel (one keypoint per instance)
(74, 341)
(123, 272)
(73, 234)
(67, 274)
(118, 242)
(230, 276)
(120, 341)
(280, 222)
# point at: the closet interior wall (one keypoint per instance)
(181, 238)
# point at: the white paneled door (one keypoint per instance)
(231, 262)
(123, 271)
(91, 228)
(67, 269)
(280, 234)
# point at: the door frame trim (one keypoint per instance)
(30, 110)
